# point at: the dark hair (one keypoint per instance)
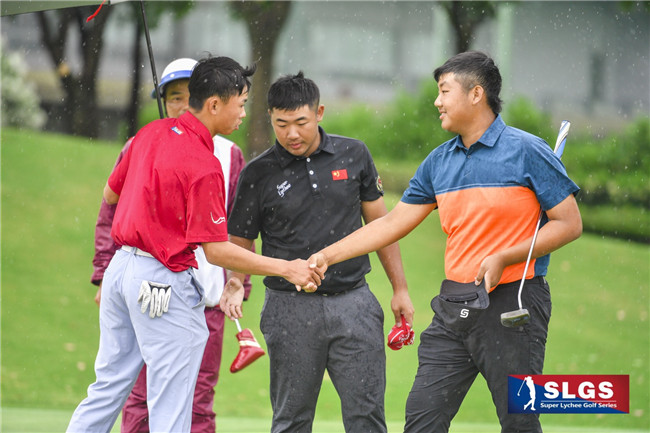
(291, 92)
(475, 68)
(218, 76)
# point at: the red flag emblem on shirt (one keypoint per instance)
(339, 174)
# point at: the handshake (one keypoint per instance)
(317, 265)
(307, 275)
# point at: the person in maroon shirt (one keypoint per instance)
(170, 194)
(175, 94)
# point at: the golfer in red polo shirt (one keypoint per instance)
(171, 198)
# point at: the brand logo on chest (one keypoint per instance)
(283, 187)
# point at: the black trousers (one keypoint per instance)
(450, 360)
(307, 334)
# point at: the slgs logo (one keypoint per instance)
(569, 393)
(586, 390)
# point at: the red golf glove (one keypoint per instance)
(400, 335)
(249, 351)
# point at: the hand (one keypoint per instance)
(401, 305)
(319, 260)
(490, 270)
(98, 295)
(305, 276)
(401, 335)
(232, 298)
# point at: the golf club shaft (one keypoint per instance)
(559, 149)
(521, 386)
(153, 64)
(238, 325)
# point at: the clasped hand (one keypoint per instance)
(305, 275)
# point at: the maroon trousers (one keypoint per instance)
(135, 415)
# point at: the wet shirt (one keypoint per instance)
(171, 190)
(301, 205)
(489, 196)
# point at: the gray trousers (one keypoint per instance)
(449, 360)
(307, 334)
(171, 345)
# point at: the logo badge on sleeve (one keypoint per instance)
(219, 220)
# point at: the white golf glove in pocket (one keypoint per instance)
(155, 296)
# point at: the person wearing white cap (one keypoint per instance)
(173, 88)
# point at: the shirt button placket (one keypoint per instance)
(313, 178)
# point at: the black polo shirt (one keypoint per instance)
(301, 205)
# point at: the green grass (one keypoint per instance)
(51, 188)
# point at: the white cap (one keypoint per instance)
(176, 70)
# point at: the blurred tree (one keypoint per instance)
(264, 21)
(21, 106)
(80, 108)
(465, 18)
(80, 93)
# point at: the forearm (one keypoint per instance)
(400, 303)
(105, 247)
(246, 244)
(110, 196)
(242, 261)
(554, 235)
(391, 260)
(371, 237)
(378, 233)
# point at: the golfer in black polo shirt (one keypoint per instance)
(306, 192)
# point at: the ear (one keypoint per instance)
(319, 112)
(477, 94)
(212, 104)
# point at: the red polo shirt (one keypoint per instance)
(171, 190)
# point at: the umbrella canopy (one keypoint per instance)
(26, 6)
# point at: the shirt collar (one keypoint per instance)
(189, 122)
(492, 134)
(285, 158)
(489, 137)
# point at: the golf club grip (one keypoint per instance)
(561, 138)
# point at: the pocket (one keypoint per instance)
(463, 298)
(188, 289)
(459, 305)
(198, 289)
(263, 315)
